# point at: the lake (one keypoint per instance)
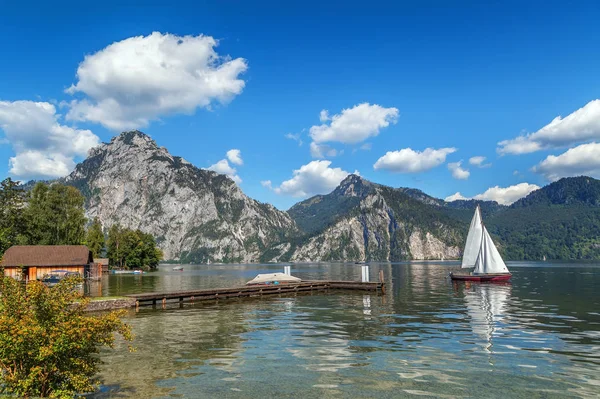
(537, 337)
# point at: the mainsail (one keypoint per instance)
(473, 245)
(489, 260)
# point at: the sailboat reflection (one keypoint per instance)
(486, 307)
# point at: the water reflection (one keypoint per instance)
(539, 336)
(486, 308)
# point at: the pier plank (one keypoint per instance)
(151, 298)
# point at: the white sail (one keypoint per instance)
(489, 260)
(473, 241)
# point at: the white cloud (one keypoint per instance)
(582, 125)
(267, 184)
(324, 116)
(222, 167)
(139, 79)
(31, 164)
(322, 150)
(313, 178)
(479, 162)
(581, 160)
(353, 125)
(502, 195)
(507, 195)
(43, 146)
(366, 147)
(455, 197)
(295, 137)
(235, 157)
(458, 172)
(409, 161)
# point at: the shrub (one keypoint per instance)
(48, 345)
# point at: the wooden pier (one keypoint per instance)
(153, 298)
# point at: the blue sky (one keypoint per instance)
(457, 79)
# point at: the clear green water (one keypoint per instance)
(538, 337)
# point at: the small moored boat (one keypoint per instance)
(273, 278)
(126, 271)
(178, 268)
(54, 277)
(482, 255)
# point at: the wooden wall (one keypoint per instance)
(37, 273)
(43, 270)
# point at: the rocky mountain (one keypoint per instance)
(195, 214)
(201, 216)
(361, 220)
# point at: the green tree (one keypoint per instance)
(55, 215)
(113, 245)
(48, 345)
(132, 249)
(12, 221)
(94, 238)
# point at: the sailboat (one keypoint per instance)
(482, 255)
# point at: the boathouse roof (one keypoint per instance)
(47, 255)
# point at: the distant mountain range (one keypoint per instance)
(200, 216)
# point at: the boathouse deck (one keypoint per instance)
(152, 298)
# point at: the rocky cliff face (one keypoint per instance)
(361, 220)
(195, 214)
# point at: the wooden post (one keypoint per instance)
(164, 303)
(137, 306)
(382, 281)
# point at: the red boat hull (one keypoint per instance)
(488, 278)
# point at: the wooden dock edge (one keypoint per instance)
(154, 298)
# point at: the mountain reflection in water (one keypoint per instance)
(427, 336)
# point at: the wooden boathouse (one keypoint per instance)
(32, 262)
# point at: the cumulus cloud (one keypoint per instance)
(479, 162)
(267, 184)
(235, 157)
(457, 171)
(353, 125)
(316, 177)
(409, 161)
(502, 195)
(322, 150)
(581, 160)
(223, 168)
(582, 125)
(507, 195)
(455, 197)
(296, 137)
(139, 79)
(44, 147)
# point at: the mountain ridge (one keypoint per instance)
(200, 216)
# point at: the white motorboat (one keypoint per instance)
(273, 278)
